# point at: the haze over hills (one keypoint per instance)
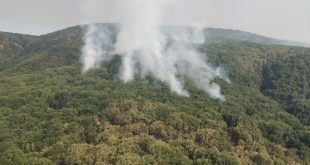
(218, 34)
(51, 113)
(21, 43)
(211, 35)
(214, 34)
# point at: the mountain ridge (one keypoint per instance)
(214, 33)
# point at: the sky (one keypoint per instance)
(283, 19)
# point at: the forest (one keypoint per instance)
(50, 113)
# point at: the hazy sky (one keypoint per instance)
(284, 19)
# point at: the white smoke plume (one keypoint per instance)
(147, 47)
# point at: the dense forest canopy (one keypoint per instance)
(51, 113)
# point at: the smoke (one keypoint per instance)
(97, 48)
(147, 47)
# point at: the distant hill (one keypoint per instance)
(213, 35)
(217, 35)
(52, 114)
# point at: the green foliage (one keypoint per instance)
(288, 81)
(51, 114)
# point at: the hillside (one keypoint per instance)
(218, 35)
(51, 114)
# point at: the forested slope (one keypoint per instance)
(51, 113)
